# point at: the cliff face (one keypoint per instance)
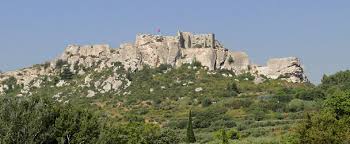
(154, 50)
(288, 68)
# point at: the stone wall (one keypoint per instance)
(189, 40)
(207, 57)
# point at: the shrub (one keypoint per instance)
(339, 103)
(340, 79)
(274, 105)
(238, 103)
(142, 111)
(258, 132)
(60, 63)
(331, 124)
(118, 64)
(233, 134)
(245, 76)
(258, 114)
(224, 136)
(232, 90)
(278, 115)
(296, 105)
(11, 82)
(230, 94)
(242, 126)
(163, 67)
(206, 102)
(47, 65)
(133, 133)
(230, 60)
(177, 124)
(324, 127)
(66, 74)
(157, 101)
(166, 136)
(283, 98)
(216, 125)
(204, 118)
(134, 118)
(196, 63)
(76, 126)
(283, 76)
(312, 94)
(40, 120)
(233, 87)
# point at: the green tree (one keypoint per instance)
(11, 82)
(324, 128)
(339, 102)
(76, 126)
(310, 94)
(133, 133)
(27, 120)
(233, 134)
(232, 89)
(225, 136)
(167, 136)
(60, 63)
(38, 119)
(295, 105)
(66, 74)
(340, 80)
(190, 134)
(329, 126)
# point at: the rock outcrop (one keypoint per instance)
(154, 50)
(289, 69)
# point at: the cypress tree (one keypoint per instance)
(190, 134)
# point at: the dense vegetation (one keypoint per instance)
(41, 120)
(155, 108)
(331, 124)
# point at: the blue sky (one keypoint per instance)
(318, 32)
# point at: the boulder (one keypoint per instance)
(91, 93)
(199, 89)
(61, 83)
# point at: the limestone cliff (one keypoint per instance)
(154, 50)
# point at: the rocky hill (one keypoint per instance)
(153, 51)
(155, 82)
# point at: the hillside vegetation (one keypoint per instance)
(152, 105)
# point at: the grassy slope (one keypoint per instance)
(261, 113)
